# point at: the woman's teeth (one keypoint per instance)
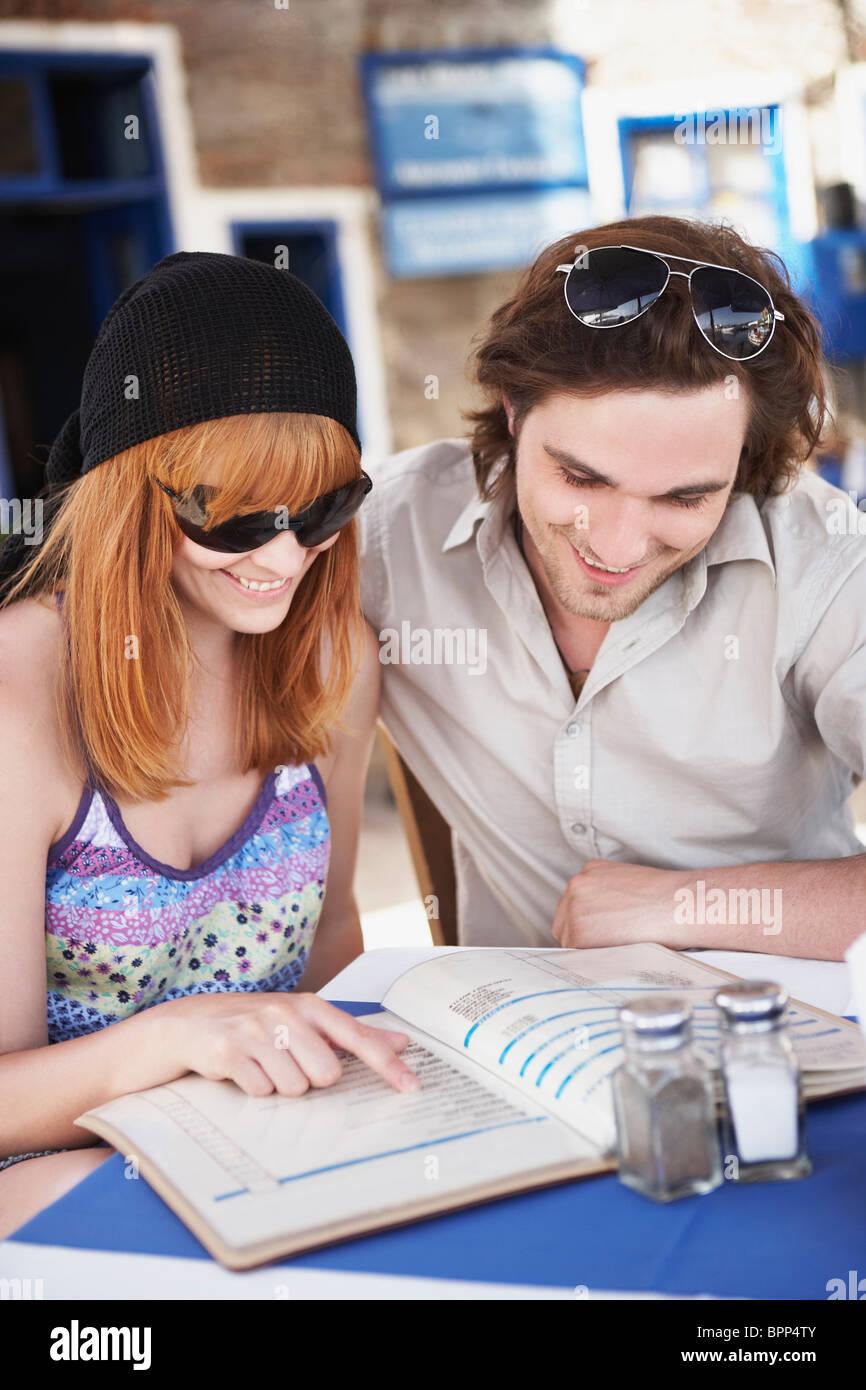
(257, 584)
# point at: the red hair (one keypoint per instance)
(109, 549)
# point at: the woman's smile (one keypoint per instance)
(258, 589)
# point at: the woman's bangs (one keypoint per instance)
(263, 461)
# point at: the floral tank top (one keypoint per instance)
(125, 932)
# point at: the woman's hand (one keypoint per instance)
(275, 1042)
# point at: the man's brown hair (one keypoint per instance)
(533, 347)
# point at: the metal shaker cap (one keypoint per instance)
(656, 1020)
(751, 1005)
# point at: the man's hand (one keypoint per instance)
(613, 904)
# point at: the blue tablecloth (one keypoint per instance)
(782, 1240)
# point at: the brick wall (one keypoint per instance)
(276, 101)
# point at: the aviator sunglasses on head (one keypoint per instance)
(608, 286)
(317, 523)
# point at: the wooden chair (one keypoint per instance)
(429, 838)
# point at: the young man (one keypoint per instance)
(622, 627)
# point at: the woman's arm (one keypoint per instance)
(223, 1036)
(28, 824)
(43, 1088)
(338, 937)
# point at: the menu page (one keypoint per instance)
(255, 1169)
(546, 1020)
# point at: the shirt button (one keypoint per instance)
(578, 827)
(573, 730)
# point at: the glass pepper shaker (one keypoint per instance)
(764, 1119)
(667, 1140)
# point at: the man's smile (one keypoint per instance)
(604, 574)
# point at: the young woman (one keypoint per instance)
(187, 703)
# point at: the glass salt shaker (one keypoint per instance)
(764, 1120)
(667, 1140)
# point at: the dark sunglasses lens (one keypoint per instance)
(734, 313)
(231, 538)
(613, 285)
(329, 514)
(316, 524)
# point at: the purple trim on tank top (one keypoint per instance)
(232, 844)
(317, 778)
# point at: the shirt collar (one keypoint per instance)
(477, 509)
(741, 535)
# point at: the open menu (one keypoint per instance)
(515, 1050)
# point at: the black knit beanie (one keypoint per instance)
(201, 336)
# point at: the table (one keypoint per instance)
(767, 1240)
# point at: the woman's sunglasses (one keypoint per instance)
(317, 523)
(612, 285)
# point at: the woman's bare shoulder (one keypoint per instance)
(30, 636)
(30, 633)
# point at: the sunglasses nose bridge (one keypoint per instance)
(283, 549)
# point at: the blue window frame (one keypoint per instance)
(312, 248)
(84, 212)
(705, 185)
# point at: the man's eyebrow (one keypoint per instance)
(688, 489)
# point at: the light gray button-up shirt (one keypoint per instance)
(723, 722)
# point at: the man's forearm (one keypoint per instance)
(810, 907)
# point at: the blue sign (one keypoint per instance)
(474, 119)
(476, 233)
